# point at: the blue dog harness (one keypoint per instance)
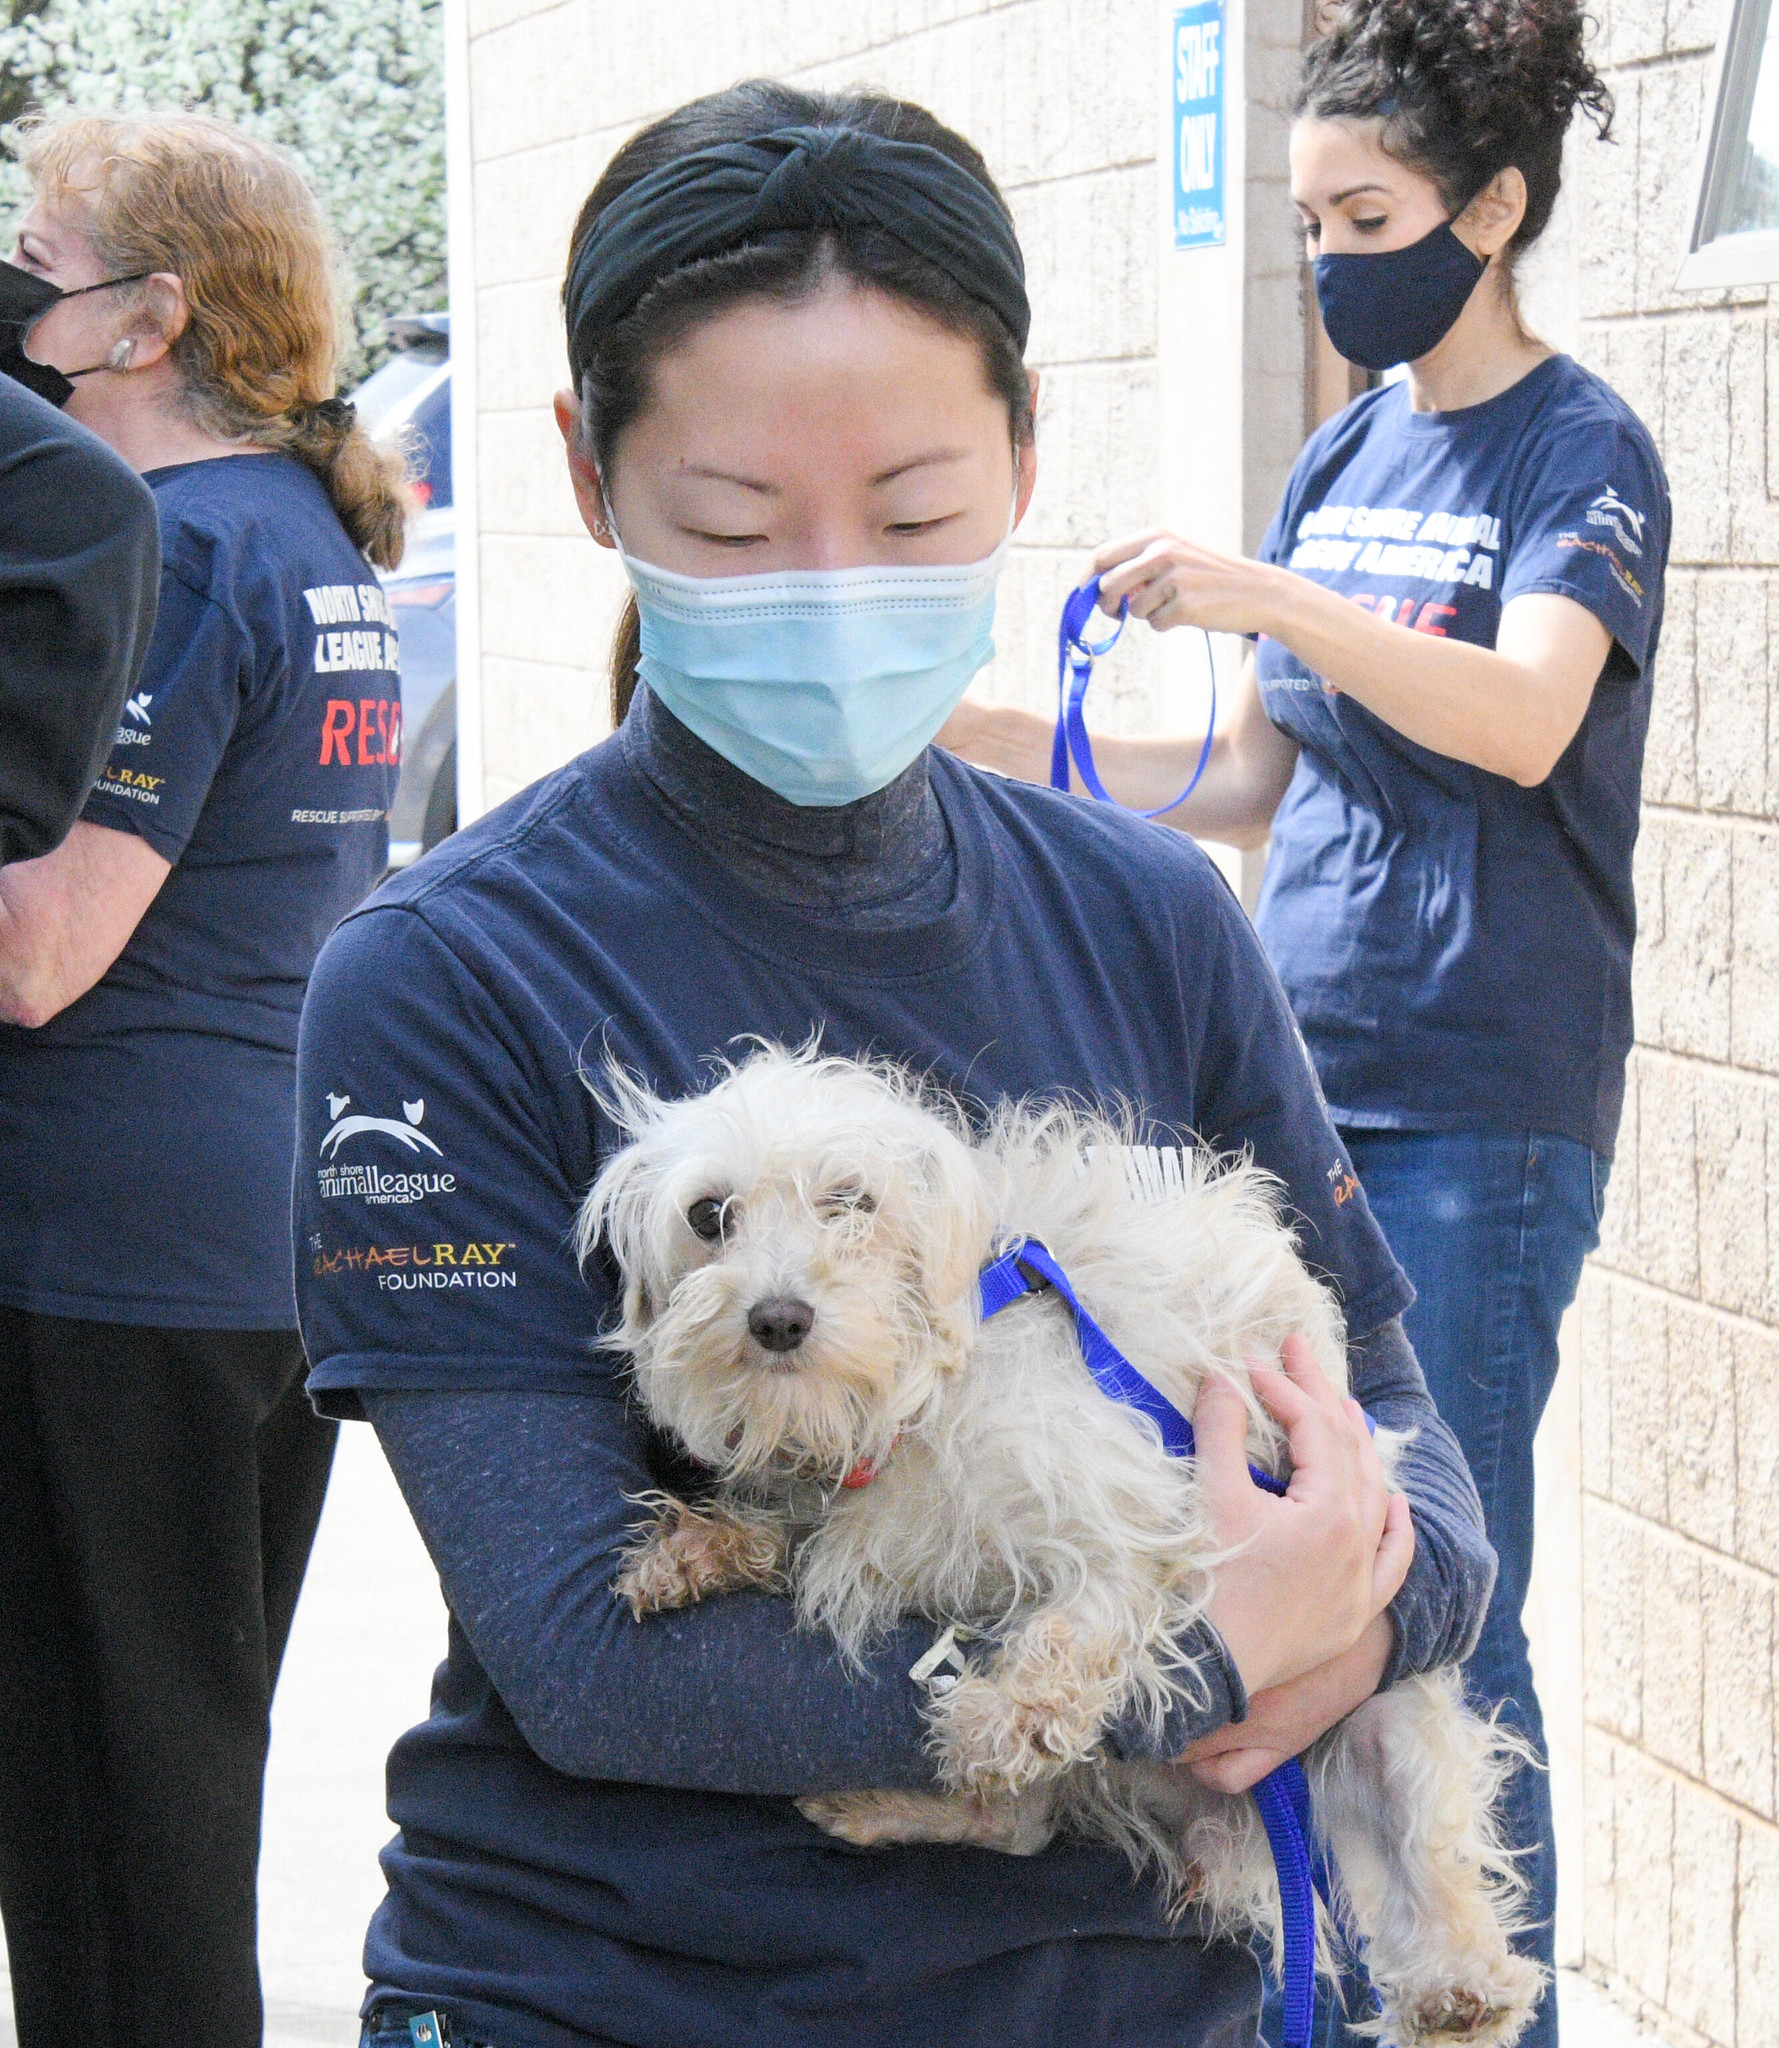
(1283, 1795)
(1075, 657)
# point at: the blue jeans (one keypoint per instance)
(1492, 1228)
(389, 2028)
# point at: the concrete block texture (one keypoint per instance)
(1629, 32)
(1667, 1191)
(1756, 1354)
(1670, 761)
(1695, 442)
(1671, 105)
(1673, 1653)
(1701, 1990)
(1732, 1118)
(1732, 664)
(1693, 26)
(1607, 204)
(1681, 968)
(1612, 1620)
(1757, 1932)
(1737, 1729)
(1700, 1437)
(1754, 1001)
(1639, 1878)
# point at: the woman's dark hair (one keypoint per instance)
(786, 265)
(1465, 89)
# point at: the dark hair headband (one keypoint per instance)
(722, 198)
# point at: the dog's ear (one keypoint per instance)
(639, 1304)
(618, 1212)
(954, 1228)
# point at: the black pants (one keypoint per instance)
(159, 1491)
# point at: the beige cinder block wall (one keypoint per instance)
(1064, 97)
(1678, 1337)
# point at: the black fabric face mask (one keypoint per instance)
(1398, 305)
(24, 299)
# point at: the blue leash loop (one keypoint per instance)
(1283, 1795)
(1075, 657)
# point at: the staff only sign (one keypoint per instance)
(1198, 126)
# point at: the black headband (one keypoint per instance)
(722, 198)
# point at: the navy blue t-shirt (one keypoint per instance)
(145, 1132)
(1458, 949)
(445, 1138)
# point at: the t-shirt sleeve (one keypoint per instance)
(1591, 521)
(79, 557)
(1258, 1092)
(433, 1199)
(178, 724)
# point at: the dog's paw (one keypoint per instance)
(1490, 2009)
(690, 1553)
(992, 1743)
(876, 1820)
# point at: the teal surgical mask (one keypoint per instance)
(823, 684)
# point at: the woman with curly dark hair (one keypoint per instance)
(1442, 725)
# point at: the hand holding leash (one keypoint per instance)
(1310, 1570)
(1174, 582)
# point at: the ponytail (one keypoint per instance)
(626, 660)
(368, 484)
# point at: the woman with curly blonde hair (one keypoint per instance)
(160, 1471)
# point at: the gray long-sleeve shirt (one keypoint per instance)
(522, 1501)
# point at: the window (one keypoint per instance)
(1735, 220)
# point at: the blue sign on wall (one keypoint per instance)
(1198, 125)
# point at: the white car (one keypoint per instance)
(411, 394)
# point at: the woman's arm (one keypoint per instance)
(1244, 780)
(524, 1503)
(66, 917)
(1511, 709)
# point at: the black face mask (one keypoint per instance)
(24, 299)
(1398, 305)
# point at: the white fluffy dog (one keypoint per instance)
(800, 1248)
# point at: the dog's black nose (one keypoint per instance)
(780, 1324)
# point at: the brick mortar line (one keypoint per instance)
(1641, 316)
(1730, 820)
(1660, 1053)
(1734, 1808)
(1115, 169)
(1640, 65)
(864, 49)
(1695, 565)
(1736, 1318)
(1768, 1579)
(863, 54)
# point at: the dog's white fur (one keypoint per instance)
(1011, 1495)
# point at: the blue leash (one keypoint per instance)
(1283, 1795)
(1075, 657)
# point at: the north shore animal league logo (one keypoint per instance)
(366, 1181)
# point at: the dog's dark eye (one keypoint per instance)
(706, 1218)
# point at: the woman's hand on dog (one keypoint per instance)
(1309, 1572)
(1283, 1722)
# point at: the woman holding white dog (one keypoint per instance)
(799, 407)
(1452, 808)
